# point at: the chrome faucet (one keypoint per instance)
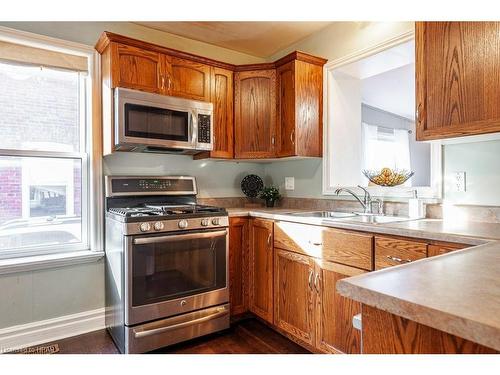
(366, 202)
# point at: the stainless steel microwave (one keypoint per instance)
(145, 122)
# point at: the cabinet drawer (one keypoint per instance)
(392, 252)
(434, 250)
(349, 248)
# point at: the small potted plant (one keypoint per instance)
(271, 194)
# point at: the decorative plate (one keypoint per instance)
(251, 185)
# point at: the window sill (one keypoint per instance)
(39, 262)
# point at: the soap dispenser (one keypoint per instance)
(416, 208)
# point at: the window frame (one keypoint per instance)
(433, 192)
(90, 155)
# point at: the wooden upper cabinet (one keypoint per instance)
(300, 108)
(255, 114)
(294, 294)
(261, 268)
(457, 78)
(334, 330)
(222, 99)
(187, 79)
(135, 68)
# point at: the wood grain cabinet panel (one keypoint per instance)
(187, 79)
(222, 99)
(434, 250)
(136, 68)
(255, 114)
(238, 259)
(393, 252)
(336, 245)
(300, 108)
(334, 313)
(294, 295)
(385, 333)
(261, 268)
(457, 78)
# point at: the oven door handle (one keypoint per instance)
(219, 313)
(178, 237)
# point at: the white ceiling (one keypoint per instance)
(392, 91)
(387, 79)
(261, 39)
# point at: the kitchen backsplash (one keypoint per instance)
(487, 214)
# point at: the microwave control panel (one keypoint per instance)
(204, 135)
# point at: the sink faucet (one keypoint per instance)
(366, 202)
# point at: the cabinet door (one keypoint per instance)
(294, 295)
(238, 255)
(286, 109)
(222, 99)
(136, 68)
(261, 268)
(457, 78)
(334, 330)
(255, 114)
(187, 79)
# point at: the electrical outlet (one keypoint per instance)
(289, 183)
(459, 182)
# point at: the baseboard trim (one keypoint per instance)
(25, 335)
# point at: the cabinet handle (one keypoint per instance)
(292, 137)
(399, 260)
(162, 82)
(316, 283)
(169, 83)
(269, 240)
(419, 112)
(309, 281)
(272, 140)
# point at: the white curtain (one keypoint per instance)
(383, 148)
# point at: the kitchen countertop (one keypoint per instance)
(458, 293)
(469, 233)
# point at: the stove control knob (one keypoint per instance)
(159, 225)
(145, 227)
(205, 222)
(215, 221)
(183, 224)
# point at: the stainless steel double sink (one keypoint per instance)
(350, 217)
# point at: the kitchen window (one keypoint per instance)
(45, 148)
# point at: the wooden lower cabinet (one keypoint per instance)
(261, 268)
(334, 330)
(307, 305)
(434, 250)
(238, 270)
(386, 333)
(294, 295)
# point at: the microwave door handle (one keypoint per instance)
(178, 237)
(194, 128)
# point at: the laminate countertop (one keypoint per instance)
(458, 292)
(469, 233)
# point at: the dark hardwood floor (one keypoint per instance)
(245, 337)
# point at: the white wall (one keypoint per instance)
(214, 178)
(480, 161)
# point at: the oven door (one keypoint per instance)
(171, 274)
(153, 121)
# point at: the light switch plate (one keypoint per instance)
(289, 183)
(459, 182)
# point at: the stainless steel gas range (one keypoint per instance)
(166, 263)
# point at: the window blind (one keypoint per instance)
(43, 57)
